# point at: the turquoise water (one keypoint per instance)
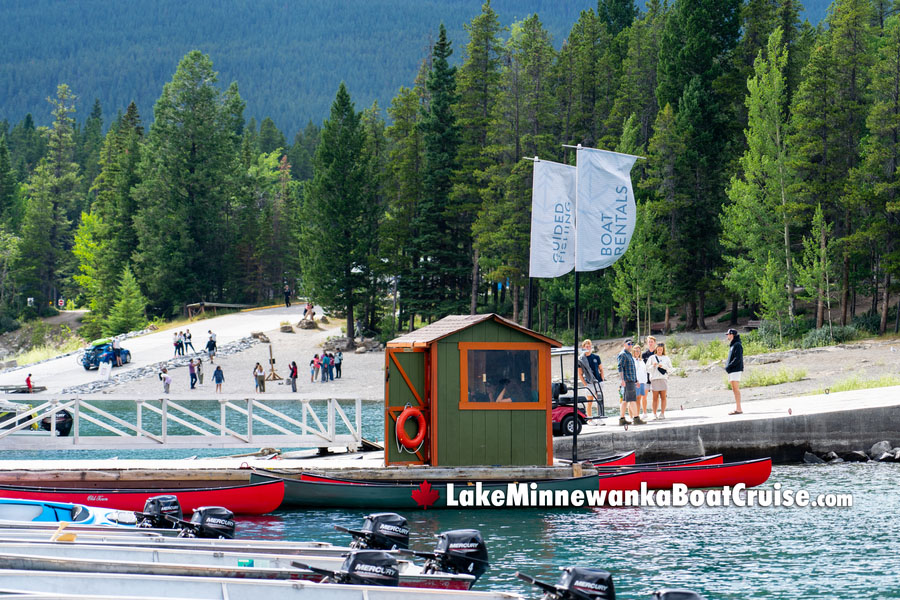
(722, 552)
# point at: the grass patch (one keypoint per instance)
(47, 351)
(762, 378)
(857, 383)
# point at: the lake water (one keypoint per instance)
(721, 552)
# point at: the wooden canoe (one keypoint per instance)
(749, 472)
(322, 492)
(249, 499)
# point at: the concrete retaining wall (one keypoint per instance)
(784, 438)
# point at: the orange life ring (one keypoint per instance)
(402, 437)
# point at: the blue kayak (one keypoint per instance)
(44, 511)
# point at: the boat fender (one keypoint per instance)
(402, 437)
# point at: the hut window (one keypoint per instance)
(502, 376)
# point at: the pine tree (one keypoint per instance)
(617, 14)
(270, 137)
(477, 81)
(187, 172)
(340, 214)
(441, 267)
(8, 186)
(757, 223)
(129, 311)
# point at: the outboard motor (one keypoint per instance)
(576, 583)
(208, 522)
(460, 551)
(156, 509)
(380, 531)
(677, 594)
(363, 567)
(63, 423)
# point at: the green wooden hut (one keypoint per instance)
(469, 390)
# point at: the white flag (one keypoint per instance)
(552, 219)
(606, 212)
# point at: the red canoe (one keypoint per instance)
(712, 459)
(748, 472)
(617, 460)
(247, 499)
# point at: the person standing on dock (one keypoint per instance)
(658, 366)
(641, 385)
(218, 378)
(628, 374)
(734, 366)
(590, 369)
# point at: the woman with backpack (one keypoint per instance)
(658, 367)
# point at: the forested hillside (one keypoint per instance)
(770, 183)
(288, 57)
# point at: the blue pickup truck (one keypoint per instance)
(100, 349)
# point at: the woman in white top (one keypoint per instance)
(659, 366)
(640, 387)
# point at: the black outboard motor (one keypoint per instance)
(363, 567)
(380, 531)
(677, 594)
(155, 511)
(208, 522)
(461, 551)
(63, 423)
(576, 583)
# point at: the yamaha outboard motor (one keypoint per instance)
(362, 567)
(576, 583)
(460, 551)
(380, 531)
(677, 594)
(209, 522)
(155, 511)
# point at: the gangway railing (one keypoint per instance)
(118, 423)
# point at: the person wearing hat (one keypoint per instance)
(628, 374)
(734, 366)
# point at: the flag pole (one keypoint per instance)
(609, 151)
(575, 422)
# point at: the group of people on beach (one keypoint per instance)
(195, 374)
(647, 372)
(328, 364)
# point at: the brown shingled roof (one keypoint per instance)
(453, 323)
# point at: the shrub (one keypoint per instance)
(855, 383)
(713, 306)
(867, 322)
(827, 336)
(761, 378)
(743, 312)
(708, 352)
(7, 323)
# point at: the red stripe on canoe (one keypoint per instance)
(700, 461)
(249, 499)
(615, 461)
(750, 473)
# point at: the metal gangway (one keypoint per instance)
(225, 422)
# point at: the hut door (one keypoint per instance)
(405, 385)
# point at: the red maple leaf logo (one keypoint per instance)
(425, 495)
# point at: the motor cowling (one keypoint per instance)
(461, 551)
(63, 423)
(156, 509)
(382, 531)
(209, 522)
(579, 583)
(370, 567)
(677, 594)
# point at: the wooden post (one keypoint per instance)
(272, 376)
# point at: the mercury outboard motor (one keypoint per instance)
(460, 551)
(155, 511)
(363, 567)
(380, 531)
(63, 423)
(677, 594)
(576, 583)
(208, 522)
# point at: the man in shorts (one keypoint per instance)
(628, 375)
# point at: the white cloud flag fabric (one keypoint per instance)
(605, 209)
(552, 219)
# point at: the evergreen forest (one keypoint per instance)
(770, 183)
